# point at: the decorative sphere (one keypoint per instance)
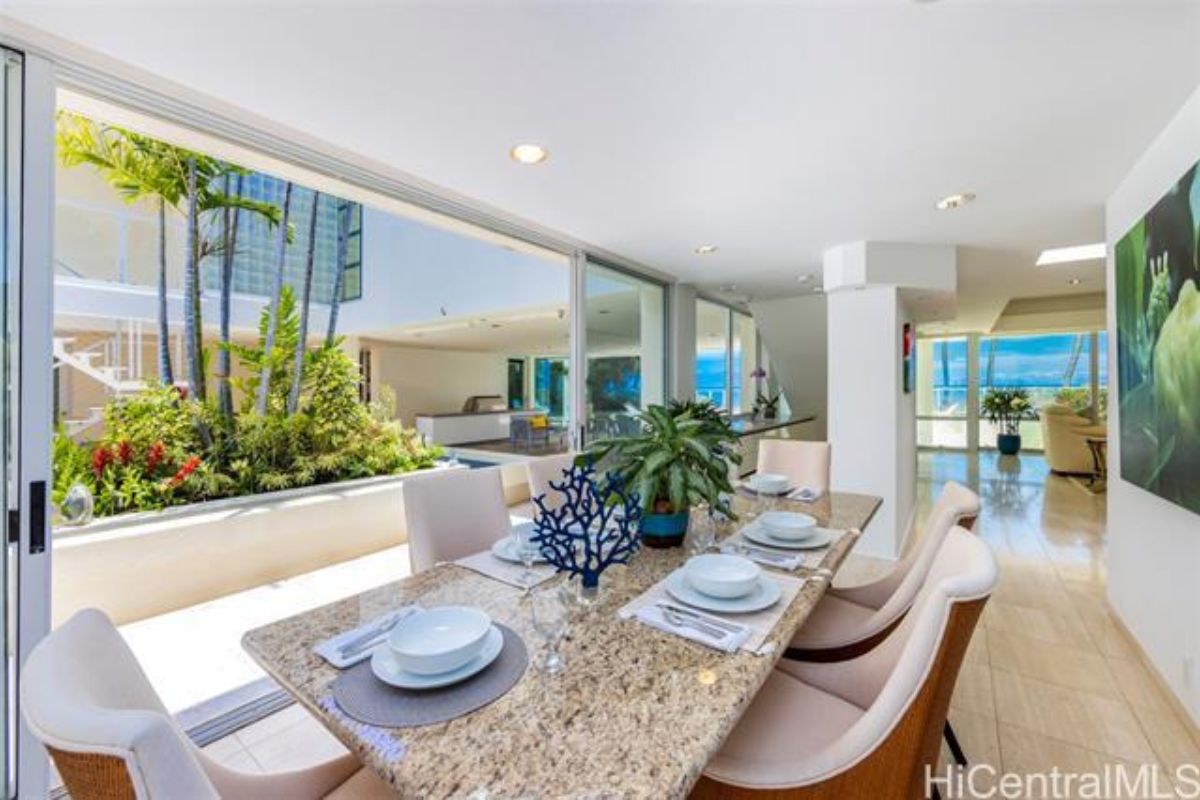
(77, 506)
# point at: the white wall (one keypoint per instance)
(683, 341)
(871, 422)
(435, 381)
(793, 331)
(1153, 545)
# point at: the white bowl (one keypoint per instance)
(788, 525)
(769, 483)
(439, 639)
(721, 575)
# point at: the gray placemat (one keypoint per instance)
(366, 698)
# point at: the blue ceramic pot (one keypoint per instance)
(1009, 444)
(663, 530)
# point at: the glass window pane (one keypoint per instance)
(745, 347)
(712, 352)
(626, 349)
(1054, 367)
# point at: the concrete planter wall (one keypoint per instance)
(140, 565)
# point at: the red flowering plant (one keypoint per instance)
(147, 457)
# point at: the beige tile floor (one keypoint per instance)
(1050, 679)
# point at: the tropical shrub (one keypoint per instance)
(1006, 408)
(161, 448)
(680, 459)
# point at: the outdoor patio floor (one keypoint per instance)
(195, 654)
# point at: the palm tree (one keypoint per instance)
(130, 164)
(231, 219)
(293, 401)
(264, 384)
(193, 336)
(339, 273)
(138, 167)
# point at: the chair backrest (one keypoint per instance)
(805, 463)
(453, 513)
(543, 470)
(86, 698)
(893, 594)
(905, 683)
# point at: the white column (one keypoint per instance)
(871, 423)
(872, 420)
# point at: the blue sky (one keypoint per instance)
(1019, 361)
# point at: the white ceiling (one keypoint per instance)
(772, 130)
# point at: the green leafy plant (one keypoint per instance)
(1006, 408)
(766, 406)
(677, 461)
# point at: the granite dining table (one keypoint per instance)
(637, 712)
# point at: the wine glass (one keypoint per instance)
(704, 533)
(522, 539)
(550, 618)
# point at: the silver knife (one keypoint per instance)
(732, 627)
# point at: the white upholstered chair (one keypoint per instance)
(543, 470)
(805, 463)
(850, 620)
(869, 726)
(85, 697)
(1064, 437)
(453, 513)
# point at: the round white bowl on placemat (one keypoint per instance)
(768, 483)
(766, 593)
(439, 639)
(387, 668)
(790, 526)
(815, 541)
(722, 575)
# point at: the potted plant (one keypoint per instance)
(1006, 408)
(766, 407)
(680, 459)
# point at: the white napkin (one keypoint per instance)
(768, 558)
(760, 624)
(488, 565)
(329, 649)
(806, 494)
(728, 641)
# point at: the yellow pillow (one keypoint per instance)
(539, 422)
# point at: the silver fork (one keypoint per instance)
(679, 621)
(360, 642)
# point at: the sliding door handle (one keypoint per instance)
(37, 517)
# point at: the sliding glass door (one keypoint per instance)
(625, 349)
(9, 252)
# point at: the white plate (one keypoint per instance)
(765, 595)
(814, 541)
(750, 486)
(385, 667)
(505, 549)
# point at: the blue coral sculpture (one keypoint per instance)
(594, 527)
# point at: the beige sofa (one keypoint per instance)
(1065, 435)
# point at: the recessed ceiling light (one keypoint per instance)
(953, 201)
(528, 153)
(1074, 281)
(705, 250)
(1068, 255)
(805, 278)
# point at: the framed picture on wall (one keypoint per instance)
(910, 357)
(1158, 346)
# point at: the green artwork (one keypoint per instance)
(1158, 346)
